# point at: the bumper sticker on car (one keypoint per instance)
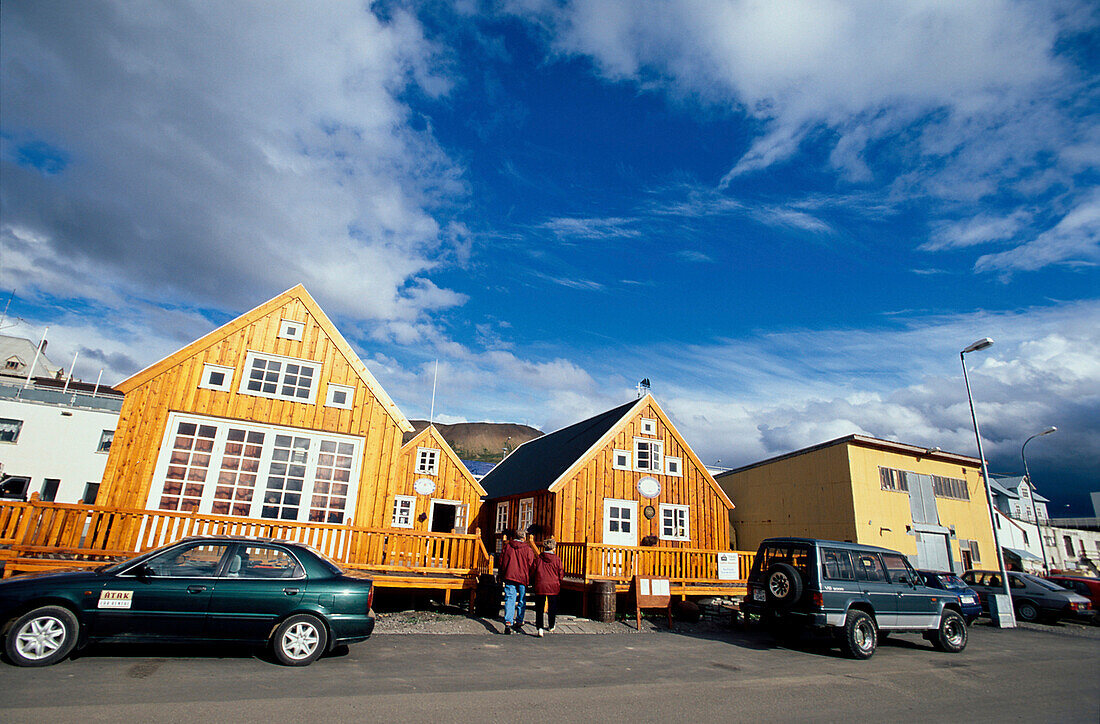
(116, 599)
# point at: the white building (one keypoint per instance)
(54, 442)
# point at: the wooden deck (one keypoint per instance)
(691, 571)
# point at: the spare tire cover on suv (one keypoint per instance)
(782, 585)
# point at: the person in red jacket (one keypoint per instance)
(546, 575)
(516, 560)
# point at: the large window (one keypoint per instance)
(647, 455)
(281, 378)
(9, 429)
(502, 516)
(256, 471)
(526, 515)
(674, 522)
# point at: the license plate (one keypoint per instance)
(758, 594)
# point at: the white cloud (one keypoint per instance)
(1075, 238)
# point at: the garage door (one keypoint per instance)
(932, 552)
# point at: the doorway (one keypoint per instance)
(444, 516)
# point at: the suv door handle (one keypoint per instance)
(196, 589)
(290, 591)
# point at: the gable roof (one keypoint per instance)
(537, 464)
(24, 350)
(431, 434)
(300, 294)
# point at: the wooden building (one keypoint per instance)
(271, 416)
(625, 477)
(433, 490)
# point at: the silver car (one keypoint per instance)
(1032, 597)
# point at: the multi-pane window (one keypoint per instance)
(526, 515)
(647, 455)
(427, 461)
(187, 467)
(282, 378)
(619, 518)
(890, 479)
(239, 471)
(256, 471)
(9, 429)
(105, 439)
(950, 488)
(403, 507)
(502, 517)
(332, 481)
(674, 522)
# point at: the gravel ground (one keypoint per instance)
(457, 622)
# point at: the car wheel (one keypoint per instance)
(952, 634)
(783, 585)
(860, 635)
(300, 640)
(1027, 611)
(42, 637)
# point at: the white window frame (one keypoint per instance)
(292, 330)
(648, 426)
(432, 468)
(213, 470)
(460, 518)
(674, 509)
(395, 520)
(659, 467)
(526, 513)
(674, 466)
(626, 460)
(226, 383)
(618, 538)
(250, 360)
(504, 507)
(332, 389)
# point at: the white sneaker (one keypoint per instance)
(541, 633)
(551, 629)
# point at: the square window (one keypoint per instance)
(289, 329)
(216, 377)
(427, 461)
(674, 466)
(649, 427)
(620, 459)
(339, 396)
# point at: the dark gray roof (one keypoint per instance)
(536, 464)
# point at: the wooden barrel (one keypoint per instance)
(603, 601)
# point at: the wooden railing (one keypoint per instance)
(587, 562)
(38, 528)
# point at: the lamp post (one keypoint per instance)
(1034, 510)
(979, 345)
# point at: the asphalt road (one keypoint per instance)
(1021, 674)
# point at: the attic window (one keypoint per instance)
(427, 460)
(647, 455)
(620, 459)
(289, 329)
(339, 396)
(217, 377)
(281, 378)
(649, 427)
(13, 363)
(674, 466)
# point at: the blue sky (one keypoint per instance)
(790, 216)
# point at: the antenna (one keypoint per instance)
(435, 379)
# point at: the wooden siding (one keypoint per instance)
(579, 500)
(452, 481)
(175, 388)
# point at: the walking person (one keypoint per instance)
(546, 579)
(516, 560)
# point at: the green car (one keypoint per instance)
(210, 588)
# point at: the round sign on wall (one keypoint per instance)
(649, 487)
(424, 486)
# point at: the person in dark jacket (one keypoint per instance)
(516, 560)
(546, 577)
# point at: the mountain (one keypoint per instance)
(480, 440)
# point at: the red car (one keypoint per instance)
(1087, 587)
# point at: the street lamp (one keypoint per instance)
(1034, 510)
(979, 345)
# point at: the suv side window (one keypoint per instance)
(896, 567)
(869, 567)
(836, 565)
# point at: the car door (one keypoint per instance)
(165, 596)
(917, 604)
(871, 575)
(260, 584)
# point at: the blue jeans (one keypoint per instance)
(515, 602)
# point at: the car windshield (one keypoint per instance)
(112, 568)
(950, 581)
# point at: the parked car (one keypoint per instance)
(247, 590)
(1032, 597)
(853, 591)
(1083, 586)
(968, 598)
